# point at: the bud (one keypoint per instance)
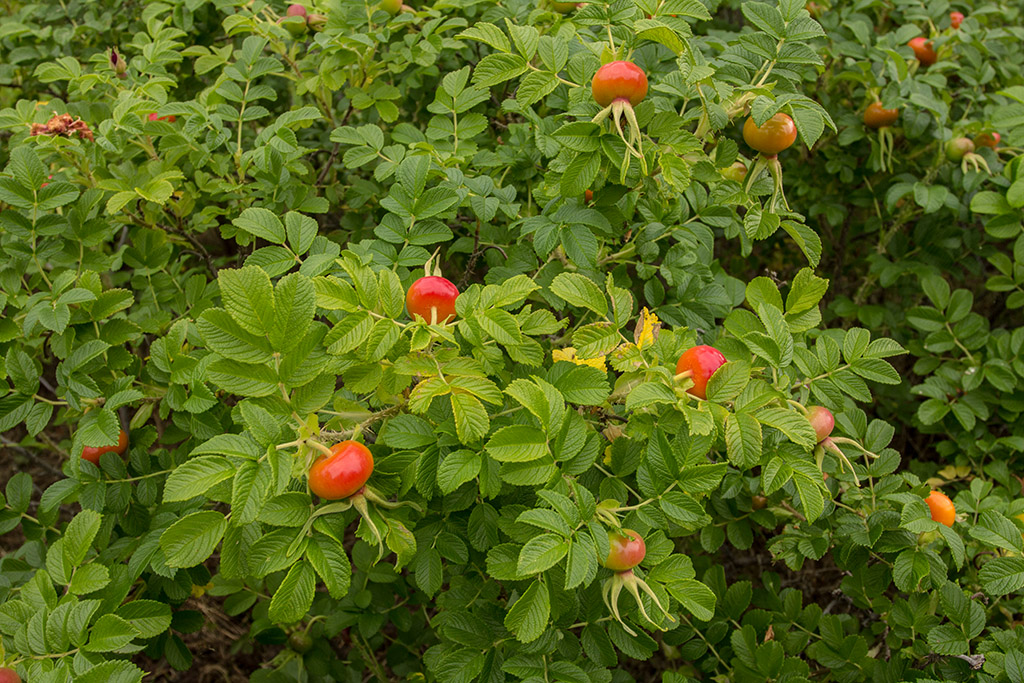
(317, 22)
(118, 64)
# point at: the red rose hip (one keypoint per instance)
(955, 19)
(941, 507)
(627, 551)
(93, 453)
(877, 116)
(296, 10)
(777, 134)
(619, 81)
(923, 51)
(343, 473)
(701, 362)
(432, 298)
(9, 676)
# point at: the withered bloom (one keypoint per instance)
(64, 126)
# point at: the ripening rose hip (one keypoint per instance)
(93, 453)
(955, 19)
(9, 676)
(296, 10)
(737, 171)
(343, 473)
(924, 51)
(777, 134)
(822, 421)
(942, 508)
(958, 148)
(170, 118)
(619, 81)
(432, 298)
(701, 362)
(877, 116)
(990, 140)
(627, 551)
(300, 642)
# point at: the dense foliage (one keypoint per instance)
(211, 214)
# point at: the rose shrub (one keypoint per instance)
(211, 215)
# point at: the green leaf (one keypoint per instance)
(728, 381)
(149, 617)
(192, 539)
(517, 443)
(456, 469)
(805, 292)
(249, 298)
(79, 536)
(115, 671)
(580, 291)
(649, 393)
(497, 68)
(471, 421)
(528, 617)
(222, 334)
(1002, 575)
(541, 553)
(910, 570)
(743, 440)
(694, 596)
(109, 633)
(794, 425)
(996, 530)
(243, 379)
(582, 384)
(294, 597)
(947, 639)
(261, 223)
(407, 431)
(329, 560)
(194, 477)
(806, 239)
(294, 307)
(595, 340)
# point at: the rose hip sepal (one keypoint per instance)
(775, 135)
(627, 551)
(618, 87)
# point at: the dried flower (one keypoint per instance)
(62, 125)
